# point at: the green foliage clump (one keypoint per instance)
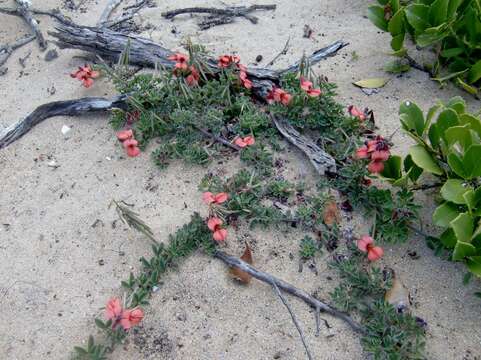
(308, 248)
(451, 27)
(448, 147)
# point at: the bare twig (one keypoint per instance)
(218, 139)
(283, 52)
(294, 320)
(288, 288)
(318, 321)
(220, 16)
(111, 6)
(426, 186)
(7, 49)
(413, 63)
(56, 14)
(23, 7)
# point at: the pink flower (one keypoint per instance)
(279, 95)
(125, 135)
(180, 61)
(131, 317)
(375, 167)
(308, 87)
(131, 148)
(362, 153)
(380, 155)
(243, 142)
(366, 244)
(219, 198)
(85, 74)
(113, 309)
(193, 78)
(354, 111)
(214, 224)
(244, 80)
(227, 60)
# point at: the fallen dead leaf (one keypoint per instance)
(374, 83)
(331, 214)
(240, 275)
(398, 294)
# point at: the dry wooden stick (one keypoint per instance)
(288, 288)
(52, 13)
(283, 52)
(218, 139)
(23, 7)
(7, 49)
(294, 320)
(104, 17)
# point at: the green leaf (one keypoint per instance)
(474, 73)
(460, 135)
(458, 104)
(444, 214)
(80, 351)
(375, 13)
(472, 161)
(453, 7)
(397, 42)
(438, 12)
(432, 35)
(424, 160)
(396, 24)
(396, 67)
(450, 53)
(474, 265)
(392, 168)
(474, 122)
(373, 83)
(417, 16)
(466, 87)
(412, 169)
(448, 238)
(412, 117)
(470, 200)
(463, 227)
(100, 323)
(462, 250)
(453, 191)
(456, 164)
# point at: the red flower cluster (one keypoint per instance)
(182, 68)
(127, 318)
(377, 151)
(214, 223)
(227, 60)
(366, 245)
(126, 137)
(354, 111)
(243, 142)
(279, 95)
(86, 75)
(308, 87)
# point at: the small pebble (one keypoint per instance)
(258, 58)
(51, 55)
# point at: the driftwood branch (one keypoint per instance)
(23, 7)
(288, 288)
(294, 320)
(322, 161)
(220, 16)
(7, 49)
(60, 108)
(282, 52)
(109, 9)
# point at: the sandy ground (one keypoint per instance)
(59, 264)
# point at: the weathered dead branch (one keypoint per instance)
(23, 7)
(7, 49)
(288, 288)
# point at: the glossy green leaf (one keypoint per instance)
(417, 16)
(396, 24)
(424, 160)
(392, 168)
(474, 265)
(448, 238)
(438, 12)
(474, 73)
(453, 52)
(472, 121)
(444, 214)
(463, 227)
(412, 117)
(456, 164)
(413, 171)
(463, 250)
(397, 42)
(453, 190)
(472, 160)
(432, 35)
(458, 104)
(376, 15)
(469, 199)
(459, 135)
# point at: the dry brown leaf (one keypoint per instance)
(398, 294)
(240, 275)
(331, 214)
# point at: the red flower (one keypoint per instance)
(125, 135)
(130, 146)
(131, 317)
(362, 153)
(308, 87)
(380, 155)
(113, 309)
(85, 74)
(227, 60)
(244, 80)
(366, 244)
(180, 61)
(375, 167)
(243, 142)
(193, 78)
(354, 111)
(219, 198)
(279, 95)
(214, 224)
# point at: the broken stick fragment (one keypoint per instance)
(23, 7)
